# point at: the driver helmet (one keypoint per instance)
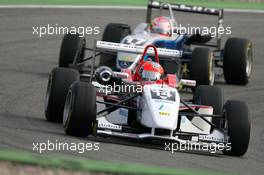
(162, 25)
(151, 71)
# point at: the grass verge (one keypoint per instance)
(81, 164)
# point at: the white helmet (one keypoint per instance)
(162, 25)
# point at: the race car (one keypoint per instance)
(148, 105)
(203, 63)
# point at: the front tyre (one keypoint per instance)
(60, 79)
(210, 96)
(79, 116)
(238, 127)
(238, 60)
(113, 32)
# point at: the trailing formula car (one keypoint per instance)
(148, 106)
(203, 63)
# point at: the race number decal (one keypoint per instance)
(163, 94)
(135, 41)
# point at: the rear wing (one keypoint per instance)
(110, 47)
(153, 4)
(104, 46)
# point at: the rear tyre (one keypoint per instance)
(113, 33)
(238, 60)
(238, 126)
(60, 80)
(72, 47)
(202, 66)
(79, 115)
(211, 96)
(169, 67)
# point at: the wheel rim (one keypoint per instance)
(47, 97)
(211, 71)
(249, 61)
(68, 107)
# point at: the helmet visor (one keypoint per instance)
(161, 31)
(150, 75)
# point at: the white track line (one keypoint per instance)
(107, 7)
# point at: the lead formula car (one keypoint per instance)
(149, 106)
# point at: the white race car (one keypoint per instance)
(148, 107)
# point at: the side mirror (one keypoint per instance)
(189, 83)
(103, 75)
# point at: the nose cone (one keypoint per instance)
(160, 107)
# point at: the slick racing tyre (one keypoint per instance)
(238, 60)
(113, 33)
(202, 66)
(60, 79)
(210, 96)
(238, 127)
(72, 47)
(79, 116)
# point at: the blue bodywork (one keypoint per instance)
(178, 44)
(171, 44)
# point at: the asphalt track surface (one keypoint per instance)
(26, 60)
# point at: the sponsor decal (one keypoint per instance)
(211, 138)
(135, 41)
(120, 74)
(188, 8)
(109, 126)
(136, 49)
(164, 113)
(124, 64)
(161, 106)
(162, 101)
(126, 58)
